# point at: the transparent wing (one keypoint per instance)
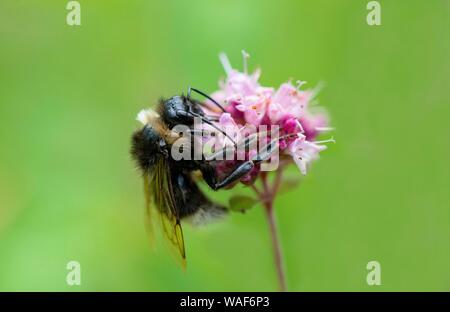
(160, 198)
(148, 209)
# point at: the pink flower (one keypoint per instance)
(247, 102)
(254, 108)
(281, 124)
(240, 83)
(303, 152)
(245, 98)
(227, 123)
(288, 100)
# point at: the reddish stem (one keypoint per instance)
(267, 198)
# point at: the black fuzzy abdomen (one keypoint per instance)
(189, 198)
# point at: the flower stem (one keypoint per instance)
(268, 199)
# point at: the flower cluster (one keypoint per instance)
(247, 102)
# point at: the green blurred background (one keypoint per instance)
(68, 101)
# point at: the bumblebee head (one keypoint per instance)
(170, 109)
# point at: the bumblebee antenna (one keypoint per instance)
(206, 96)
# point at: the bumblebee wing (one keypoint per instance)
(149, 206)
(161, 189)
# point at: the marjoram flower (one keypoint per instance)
(247, 102)
(289, 109)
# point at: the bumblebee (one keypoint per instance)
(170, 188)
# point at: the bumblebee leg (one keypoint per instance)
(242, 145)
(212, 118)
(266, 151)
(236, 174)
(200, 132)
(210, 175)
